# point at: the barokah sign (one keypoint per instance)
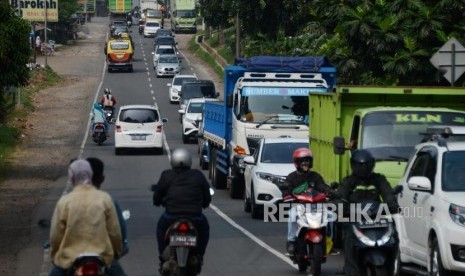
(37, 10)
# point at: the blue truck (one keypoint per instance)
(264, 97)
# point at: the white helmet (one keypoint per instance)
(107, 91)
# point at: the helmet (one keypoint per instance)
(107, 91)
(181, 158)
(362, 163)
(300, 154)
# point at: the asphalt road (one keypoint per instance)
(238, 244)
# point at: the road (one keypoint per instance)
(238, 244)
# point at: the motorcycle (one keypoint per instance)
(179, 256)
(98, 133)
(312, 220)
(108, 113)
(89, 264)
(375, 246)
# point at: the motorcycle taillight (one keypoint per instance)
(99, 126)
(88, 269)
(183, 227)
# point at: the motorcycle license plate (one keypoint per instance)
(138, 137)
(98, 130)
(176, 240)
(373, 224)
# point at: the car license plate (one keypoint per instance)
(177, 240)
(138, 137)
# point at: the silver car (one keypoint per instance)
(167, 65)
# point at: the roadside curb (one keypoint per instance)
(206, 48)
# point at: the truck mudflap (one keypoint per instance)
(236, 181)
(218, 167)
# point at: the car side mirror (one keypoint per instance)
(168, 84)
(164, 120)
(181, 111)
(249, 160)
(113, 120)
(419, 183)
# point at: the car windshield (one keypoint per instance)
(165, 40)
(280, 152)
(179, 81)
(453, 171)
(165, 59)
(392, 135)
(119, 45)
(195, 107)
(152, 24)
(186, 13)
(154, 14)
(139, 115)
(165, 51)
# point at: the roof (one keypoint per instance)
(139, 106)
(202, 100)
(285, 140)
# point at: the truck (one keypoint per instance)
(264, 97)
(183, 16)
(87, 8)
(387, 121)
(119, 8)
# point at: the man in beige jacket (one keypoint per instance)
(84, 220)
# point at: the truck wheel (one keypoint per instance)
(236, 190)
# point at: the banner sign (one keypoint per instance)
(37, 10)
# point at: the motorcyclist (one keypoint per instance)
(184, 192)
(299, 181)
(98, 116)
(108, 100)
(129, 19)
(363, 185)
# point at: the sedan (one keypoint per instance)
(139, 126)
(167, 65)
(266, 171)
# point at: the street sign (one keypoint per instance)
(450, 59)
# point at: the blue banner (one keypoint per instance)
(281, 91)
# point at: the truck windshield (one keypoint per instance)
(276, 105)
(185, 14)
(393, 135)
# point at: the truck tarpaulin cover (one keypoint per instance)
(283, 63)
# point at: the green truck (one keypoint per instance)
(388, 121)
(118, 8)
(183, 16)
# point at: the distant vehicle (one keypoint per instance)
(151, 27)
(164, 40)
(167, 65)
(163, 32)
(139, 126)
(117, 23)
(175, 86)
(196, 89)
(266, 171)
(118, 30)
(162, 50)
(432, 222)
(191, 117)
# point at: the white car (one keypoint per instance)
(162, 50)
(191, 117)
(266, 171)
(151, 28)
(168, 65)
(139, 126)
(431, 224)
(175, 86)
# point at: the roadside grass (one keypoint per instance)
(17, 114)
(195, 48)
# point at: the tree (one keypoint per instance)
(15, 51)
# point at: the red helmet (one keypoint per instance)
(300, 154)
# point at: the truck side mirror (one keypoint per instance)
(339, 145)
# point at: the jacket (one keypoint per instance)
(84, 220)
(298, 182)
(375, 188)
(182, 192)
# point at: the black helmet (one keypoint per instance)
(181, 158)
(362, 163)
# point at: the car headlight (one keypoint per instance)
(278, 180)
(457, 213)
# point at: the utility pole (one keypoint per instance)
(238, 38)
(45, 31)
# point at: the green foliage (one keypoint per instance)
(14, 52)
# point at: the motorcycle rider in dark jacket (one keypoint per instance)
(363, 185)
(184, 192)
